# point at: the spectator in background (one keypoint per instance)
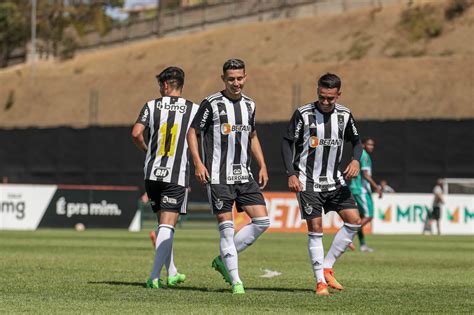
(385, 187)
(435, 214)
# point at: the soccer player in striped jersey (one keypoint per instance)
(361, 189)
(226, 122)
(166, 165)
(312, 150)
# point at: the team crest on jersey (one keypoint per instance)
(313, 141)
(219, 204)
(340, 122)
(161, 172)
(249, 107)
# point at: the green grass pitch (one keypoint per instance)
(103, 271)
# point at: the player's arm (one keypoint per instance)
(373, 184)
(352, 135)
(201, 172)
(293, 133)
(140, 125)
(201, 122)
(258, 154)
(137, 137)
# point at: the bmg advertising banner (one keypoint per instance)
(406, 214)
(27, 207)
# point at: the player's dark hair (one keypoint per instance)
(330, 81)
(367, 139)
(233, 64)
(174, 76)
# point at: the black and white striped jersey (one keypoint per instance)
(318, 140)
(168, 119)
(226, 127)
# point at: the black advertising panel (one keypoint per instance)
(93, 206)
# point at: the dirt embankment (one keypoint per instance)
(386, 74)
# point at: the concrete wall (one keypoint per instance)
(203, 17)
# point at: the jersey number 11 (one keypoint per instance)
(173, 132)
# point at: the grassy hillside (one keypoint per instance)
(394, 63)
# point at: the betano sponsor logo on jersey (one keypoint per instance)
(228, 128)
(315, 141)
(172, 107)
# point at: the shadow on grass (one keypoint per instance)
(133, 284)
(184, 288)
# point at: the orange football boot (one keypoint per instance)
(322, 289)
(332, 282)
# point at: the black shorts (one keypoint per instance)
(222, 196)
(313, 203)
(166, 196)
(436, 213)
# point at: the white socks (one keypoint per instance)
(341, 241)
(228, 250)
(249, 233)
(316, 254)
(164, 246)
(172, 271)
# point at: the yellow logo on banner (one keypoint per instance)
(454, 217)
(386, 216)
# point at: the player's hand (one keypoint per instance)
(263, 177)
(201, 173)
(379, 191)
(294, 184)
(352, 170)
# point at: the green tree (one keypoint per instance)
(13, 30)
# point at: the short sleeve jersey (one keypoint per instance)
(226, 127)
(318, 140)
(168, 119)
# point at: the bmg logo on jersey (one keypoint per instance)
(227, 128)
(161, 172)
(172, 107)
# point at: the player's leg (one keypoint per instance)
(174, 277)
(436, 217)
(342, 201)
(250, 199)
(310, 204)
(368, 214)
(166, 200)
(164, 243)
(222, 200)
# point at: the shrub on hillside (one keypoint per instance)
(422, 22)
(456, 8)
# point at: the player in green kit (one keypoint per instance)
(361, 188)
